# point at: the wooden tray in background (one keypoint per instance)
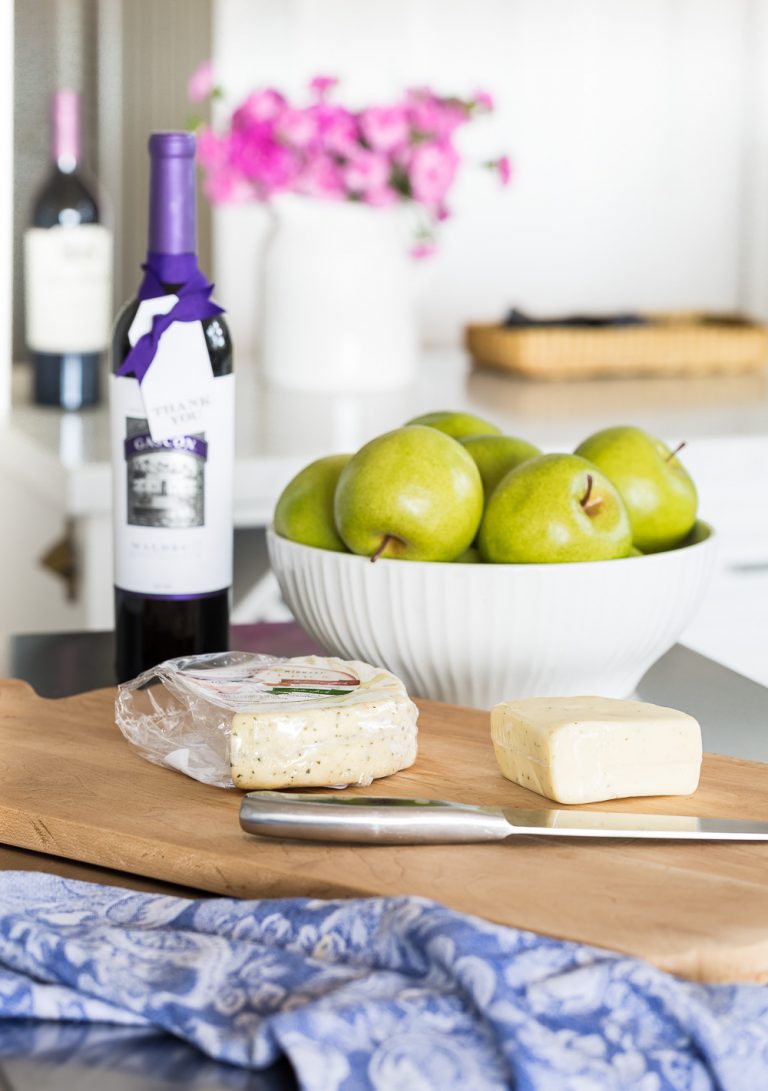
(72, 787)
(675, 344)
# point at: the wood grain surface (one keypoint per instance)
(71, 787)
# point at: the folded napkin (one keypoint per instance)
(381, 993)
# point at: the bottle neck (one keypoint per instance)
(65, 130)
(172, 270)
(172, 205)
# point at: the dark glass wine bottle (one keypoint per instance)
(173, 498)
(68, 273)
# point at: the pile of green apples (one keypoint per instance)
(449, 486)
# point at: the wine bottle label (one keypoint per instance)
(177, 388)
(68, 288)
(172, 497)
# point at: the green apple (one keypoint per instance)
(457, 424)
(659, 495)
(554, 508)
(304, 512)
(469, 556)
(496, 456)
(412, 494)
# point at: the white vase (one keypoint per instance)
(338, 303)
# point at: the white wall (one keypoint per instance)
(636, 130)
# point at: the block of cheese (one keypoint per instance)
(587, 749)
(323, 722)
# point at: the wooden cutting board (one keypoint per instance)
(71, 786)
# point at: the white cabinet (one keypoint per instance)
(732, 624)
(33, 503)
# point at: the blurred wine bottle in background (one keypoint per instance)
(67, 272)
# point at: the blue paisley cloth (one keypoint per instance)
(391, 994)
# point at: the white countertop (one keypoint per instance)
(278, 431)
(62, 459)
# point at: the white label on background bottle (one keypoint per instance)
(68, 288)
(182, 486)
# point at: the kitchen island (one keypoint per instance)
(733, 712)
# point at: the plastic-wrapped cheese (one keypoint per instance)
(322, 722)
(587, 749)
(254, 721)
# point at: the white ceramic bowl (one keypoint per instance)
(476, 634)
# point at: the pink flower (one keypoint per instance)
(297, 127)
(366, 172)
(432, 116)
(321, 86)
(261, 160)
(381, 197)
(380, 155)
(222, 186)
(425, 248)
(483, 101)
(431, 173)
(264, 105)
(385, 127)
(423, 111)
(201, 83)
(450, 117)
(337, 128)
(211, 148)
(501, 166)
(321, 177)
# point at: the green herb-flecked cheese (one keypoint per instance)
(350, 738)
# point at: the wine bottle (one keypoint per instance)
(172, 481)
(68, 273)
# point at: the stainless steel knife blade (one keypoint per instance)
(386, 820)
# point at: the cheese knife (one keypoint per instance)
(383, 820)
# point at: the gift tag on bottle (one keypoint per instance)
(177, 389)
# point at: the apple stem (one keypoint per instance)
(382, 546)
(588, 493)
(586, 503)
(676, 451)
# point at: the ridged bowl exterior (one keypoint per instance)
(476, 634)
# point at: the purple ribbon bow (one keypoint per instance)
(194, 304)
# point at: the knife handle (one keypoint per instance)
(369, 820)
